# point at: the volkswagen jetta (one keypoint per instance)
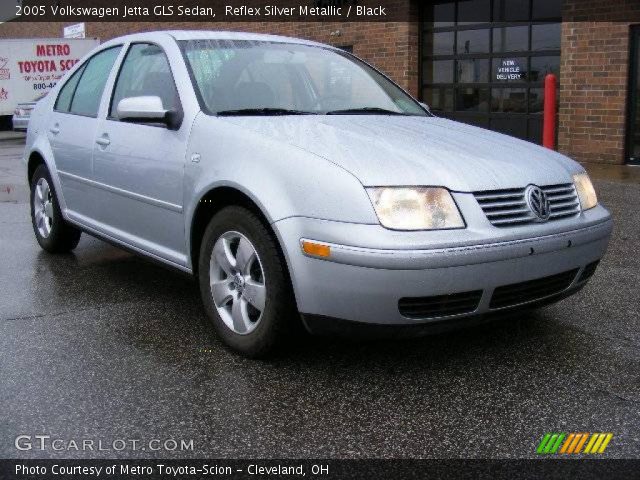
(292, 177)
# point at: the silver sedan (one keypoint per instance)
(298, 183)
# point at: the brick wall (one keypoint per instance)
(390, 46)
(594, 77)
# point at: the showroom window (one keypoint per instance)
(484, 62)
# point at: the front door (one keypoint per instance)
(138, 167)
(633, 126)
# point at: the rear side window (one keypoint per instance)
(63, 102)
(145, 72)
(88, 93)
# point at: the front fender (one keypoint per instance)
(283, 180)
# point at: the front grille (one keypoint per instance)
(531, 290)
(441, 305)
(506, 208)
(588, 271)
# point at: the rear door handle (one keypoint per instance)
(103, 140)
(55, 129)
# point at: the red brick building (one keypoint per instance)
(484, 62)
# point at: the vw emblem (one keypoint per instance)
(538, 202)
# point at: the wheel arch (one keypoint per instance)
(214, 200)
(35, 160)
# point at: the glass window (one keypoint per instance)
(512, 69)
(63, 102)
(511, 10)
(473, 71)
(471, 99)
(145, 72)
(509, 100)
(439, 43)
(438, 71)
(541, 66)
(431, 96)
(511, 39)
(441, 14)
(514, 126)
(447, 99)
(474, 11)
(546, 36)
(473, 41)
(86, 100)
(536, 100)
(252, 75)
(544, 9)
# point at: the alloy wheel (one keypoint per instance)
(43, 208)
(237, 282)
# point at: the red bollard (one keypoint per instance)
(549, 125)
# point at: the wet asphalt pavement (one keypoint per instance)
(102, 345)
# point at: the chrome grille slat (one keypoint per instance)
(508, 207)
(563, 204)
(502, 213)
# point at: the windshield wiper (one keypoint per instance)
(365, 111)
(263, 111)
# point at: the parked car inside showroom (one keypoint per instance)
(298, 183)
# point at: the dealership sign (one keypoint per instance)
(29, 68)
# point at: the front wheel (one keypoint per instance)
(52, 232)
(244, 283)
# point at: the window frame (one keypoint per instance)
(179, 111)
(83, 67)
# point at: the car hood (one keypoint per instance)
(407, 150)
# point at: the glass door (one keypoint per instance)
(633, 127)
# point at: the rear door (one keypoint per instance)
(139, 167)
(72, 129)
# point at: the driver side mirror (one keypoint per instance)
(147, 109)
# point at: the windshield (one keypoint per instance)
(271, 78)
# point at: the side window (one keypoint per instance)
(145, 72)
(86, 99)
(63, 102)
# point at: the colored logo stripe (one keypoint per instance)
(573, 443)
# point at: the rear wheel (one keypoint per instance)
(244, 284)
(52, 232)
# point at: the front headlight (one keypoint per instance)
(415, 208)
(585, 190)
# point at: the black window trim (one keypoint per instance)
(179, 112)
(83, 67)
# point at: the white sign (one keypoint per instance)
(509, 70)
(74, 31)
(29, 68)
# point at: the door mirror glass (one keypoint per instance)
(145, 109)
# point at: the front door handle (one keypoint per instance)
(55, 129)
(103, 140)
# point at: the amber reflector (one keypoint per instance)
(315, 249)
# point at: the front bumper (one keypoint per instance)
(365, 284)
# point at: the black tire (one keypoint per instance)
(277, 321)
(62, 237)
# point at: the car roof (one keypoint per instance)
(212, 35)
